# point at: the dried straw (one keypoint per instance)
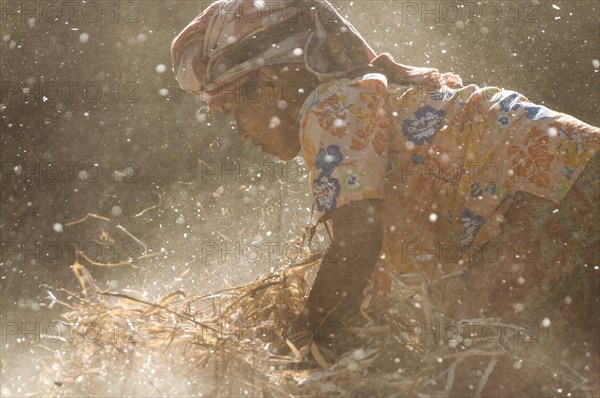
(220, 344)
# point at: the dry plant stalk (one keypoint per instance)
(220, 345)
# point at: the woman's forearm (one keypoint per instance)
(346, 268)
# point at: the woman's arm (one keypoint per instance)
(337, 292)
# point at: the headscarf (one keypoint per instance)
(231, 38)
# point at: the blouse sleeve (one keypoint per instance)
(344, 131)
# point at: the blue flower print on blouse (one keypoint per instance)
(438, 96)
(327, 159)
(567, 172)
(510, 102)
(326, 189)
(470, 225)
(476, 189)
(502, 120)
(417, 158)
(422, 126)
(352, 180)
(535, 112)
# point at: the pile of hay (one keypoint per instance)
(221, 344)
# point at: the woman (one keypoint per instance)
(412, 170)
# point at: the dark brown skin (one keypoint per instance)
(277, 99)
(345, 271)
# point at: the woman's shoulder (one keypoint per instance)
(344, 92)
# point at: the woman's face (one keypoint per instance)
(263, 115)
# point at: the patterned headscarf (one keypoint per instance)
(233, 37)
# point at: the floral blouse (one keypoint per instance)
(445, 163)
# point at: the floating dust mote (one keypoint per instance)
(221, 344)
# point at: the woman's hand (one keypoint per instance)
(451, 80)
(429, 77)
